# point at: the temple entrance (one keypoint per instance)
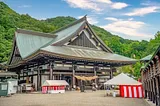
(68, 79)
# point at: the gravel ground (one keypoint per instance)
(69, 99)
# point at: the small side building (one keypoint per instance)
(8, 83)
(150, 74)
(54, 86)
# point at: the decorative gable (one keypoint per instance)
(83, 39)
(79, 33)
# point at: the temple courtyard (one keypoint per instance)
(70, 98)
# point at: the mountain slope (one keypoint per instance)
(10, 20)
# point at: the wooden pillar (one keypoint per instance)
(73, 75)
(158, 90)
(51, 66)
(38, 78)
(144, 82)
(27, 77)
(148, 84)
(150, 91)
(149, 94)
(158, 87)
(19, 76)
(152, 82)
(23, 73)
(32, 76)
(155, 90)
(111, 73)
(95, 73)
(60, 76)
(153, 96)
(145, 88)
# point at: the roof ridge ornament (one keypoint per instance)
(85, 17)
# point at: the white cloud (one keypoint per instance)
(150, 3)
(119, 5)
(143, 11)
(146, 3)
(127, 27)
(96, 5)
(84, 4)
(111, 19)
(104, 1)
(90, 19)
(42, 19)
(130, 19)
(25, 6)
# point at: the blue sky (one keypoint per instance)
(130, 19)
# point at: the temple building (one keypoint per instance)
(74, 50)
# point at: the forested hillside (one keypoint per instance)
(10, 20)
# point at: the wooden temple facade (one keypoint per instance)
(150, 74)
(74, 50)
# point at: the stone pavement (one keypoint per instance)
(150, 102)
(70, 99)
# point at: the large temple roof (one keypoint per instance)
(84, 53)
(30, 43)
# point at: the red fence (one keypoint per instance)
(46, 88)
(131, 91)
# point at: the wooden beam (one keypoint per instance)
(69, 73)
